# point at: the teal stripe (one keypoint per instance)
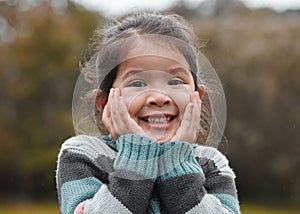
(77, 191)
(135, 147)
(154, 207)
(164, 148)
(137, 154)
(229, 202)
(185, 168)
(177, 160)
(146, 168)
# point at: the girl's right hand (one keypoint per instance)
(116, 117)
(190, 124)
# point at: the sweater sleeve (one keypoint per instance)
(220, 178)
(93, 178)
(186, 186)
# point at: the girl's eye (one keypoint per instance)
(137, 84)
(175, 82)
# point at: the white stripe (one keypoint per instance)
(89, 146)
(104, 202)
(219, 159)
(208, 205)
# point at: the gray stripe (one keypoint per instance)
(208, 166)
(179, 194)
(77, 166)
(221, 185)
(134, 194)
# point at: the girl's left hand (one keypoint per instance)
(190, 123)
(116, 117)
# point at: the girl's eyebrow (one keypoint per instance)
(131, 72)
(178, 70)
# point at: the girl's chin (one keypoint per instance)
(161, 138)
(161, 133)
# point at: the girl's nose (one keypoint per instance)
(158, 99)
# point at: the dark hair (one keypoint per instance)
(157, 23)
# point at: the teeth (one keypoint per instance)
(161, 120)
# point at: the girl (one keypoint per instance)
(146, 117)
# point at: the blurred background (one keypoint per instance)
(255, 50)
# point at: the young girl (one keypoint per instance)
(147, 110)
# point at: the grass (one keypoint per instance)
(30, 208)
(267, 209)
(53, 209)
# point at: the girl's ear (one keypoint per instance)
(100, 101)
(201, 90)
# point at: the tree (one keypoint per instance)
(38, 72)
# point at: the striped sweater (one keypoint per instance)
(138, 175)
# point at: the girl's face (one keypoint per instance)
(156, 90)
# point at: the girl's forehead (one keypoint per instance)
(162, 49)
(154, 62)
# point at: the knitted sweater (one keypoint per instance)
(138, 175)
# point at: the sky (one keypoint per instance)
(112, 8)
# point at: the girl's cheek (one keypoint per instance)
(132, 101)
(181, 99)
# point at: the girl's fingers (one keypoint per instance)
(121, 119)
(106, 119)
(107, 116)
(190, 122)
(109, 100)
(115, 110)
(187, 117)
(195, 125)
(129, 125)
(196, 110)
(106, 112)
(183, 131)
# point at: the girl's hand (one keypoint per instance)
(190, 123)
(116, 117)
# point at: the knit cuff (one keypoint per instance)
(137, 154)
(176, 159)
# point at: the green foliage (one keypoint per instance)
(38, 71)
